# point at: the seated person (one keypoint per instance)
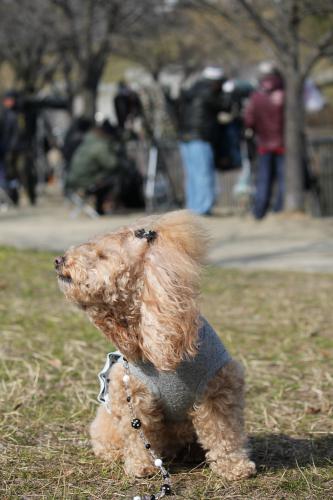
(95, 165)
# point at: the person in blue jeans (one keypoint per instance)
(198, 160)
(198, 111)
(264, 114)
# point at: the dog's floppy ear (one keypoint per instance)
(169, 314)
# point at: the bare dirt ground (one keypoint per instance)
(278, 242)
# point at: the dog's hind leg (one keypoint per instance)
(219, 424)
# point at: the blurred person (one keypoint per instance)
(264, 115)
(36, 138)
(27, 135)
(29, 111)
(9, 145)
(94, 165)
(229, 137)
(100, 167)
(128, 107)
(198, 111)
(74, 137)
(314, 101)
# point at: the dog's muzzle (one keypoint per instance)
(59, 262)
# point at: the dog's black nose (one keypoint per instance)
(58, 262)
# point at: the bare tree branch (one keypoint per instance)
(262, 25)
(324, 48)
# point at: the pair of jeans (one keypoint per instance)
(270, 169)
(198, 161)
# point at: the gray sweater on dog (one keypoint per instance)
(178, 390)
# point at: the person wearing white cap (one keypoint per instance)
(198, 111)
(213, 73)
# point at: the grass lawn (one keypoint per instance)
(278, 324)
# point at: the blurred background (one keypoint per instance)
(121, 69)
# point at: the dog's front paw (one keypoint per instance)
(143, 469)
(234, 470)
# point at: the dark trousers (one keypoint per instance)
(109, 189)
(2, 174)
(270, 170)
(100, 197)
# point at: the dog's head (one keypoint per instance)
(139, 285)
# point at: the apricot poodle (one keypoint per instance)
(139, 286)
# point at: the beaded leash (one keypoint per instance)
(136, 424)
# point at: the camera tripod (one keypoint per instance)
(159, 191)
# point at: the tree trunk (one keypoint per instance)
(90, 77)
(294, 143)
(88, 98)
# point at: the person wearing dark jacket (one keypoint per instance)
(264, 114)
(198, 111)
(9, 145)
(128, 106)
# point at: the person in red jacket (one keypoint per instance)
(264, 114)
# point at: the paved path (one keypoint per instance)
(278, 242)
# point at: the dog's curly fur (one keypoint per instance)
(143, 296)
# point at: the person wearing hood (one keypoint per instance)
(264, 115)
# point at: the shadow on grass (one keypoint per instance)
(269, 452)
(278, 451)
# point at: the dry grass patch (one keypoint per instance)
(278, 324)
